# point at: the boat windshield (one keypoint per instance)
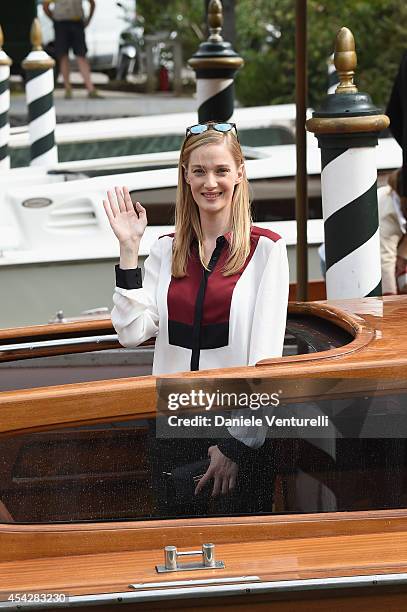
(348, 456)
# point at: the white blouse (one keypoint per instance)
(206, 320)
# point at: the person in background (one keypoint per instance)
(397, 112)
(393, 198)
(393, 239)
(392, 209)
(69, 24)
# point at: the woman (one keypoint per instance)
(215, 292)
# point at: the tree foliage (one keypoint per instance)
(186, 17)
(379, 28)
(268, 77)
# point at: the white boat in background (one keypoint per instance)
(151, 133)
(89, 168)
(57, 249)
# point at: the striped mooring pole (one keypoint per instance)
(39, 88)
(347, 127)
(215, 64)
(5, 63)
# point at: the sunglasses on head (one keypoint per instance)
(200, 128)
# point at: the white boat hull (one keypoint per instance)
(34, 292)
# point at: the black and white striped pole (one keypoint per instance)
(39, 89)
(215, 64)
(347, 126)
(5, 63)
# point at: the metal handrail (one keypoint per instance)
(10, 350)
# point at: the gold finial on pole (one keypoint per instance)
(40, 61)
(345, 61)
(36, 35)
(215, 21)
(4, 58)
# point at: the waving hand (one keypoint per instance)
(127, 221)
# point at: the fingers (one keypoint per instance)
(224, 485)
(205, 478)
(222, 471)
(232, 482)
(121, 203)
(113, 204)
(141, 211)
(227, 484)
(108, 211)
(127, 200)
(217, 485)
(130, 207)
(120, 199)
(221, 484)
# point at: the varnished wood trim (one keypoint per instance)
(41, 541)
(200, 63)
(82, 403)
(354, 325)
(340, 125)
(36, 352)
(53, 330)
(351, 323)
(135, 398)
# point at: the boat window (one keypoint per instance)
(129, 470)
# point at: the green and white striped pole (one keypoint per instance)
(5, 63)
(39, 88)
(347, 127)
(215, 64)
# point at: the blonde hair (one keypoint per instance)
(187, 219)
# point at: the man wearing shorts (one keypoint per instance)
(70, 23)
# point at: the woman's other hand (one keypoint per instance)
(127, 221)
(222, 471)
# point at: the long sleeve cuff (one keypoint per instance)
(128, 279)
(237, 451)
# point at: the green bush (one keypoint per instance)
(259, 82)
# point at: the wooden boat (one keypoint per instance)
(78, 509)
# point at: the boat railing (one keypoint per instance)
(35, 348)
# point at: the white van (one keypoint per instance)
(102, 34)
